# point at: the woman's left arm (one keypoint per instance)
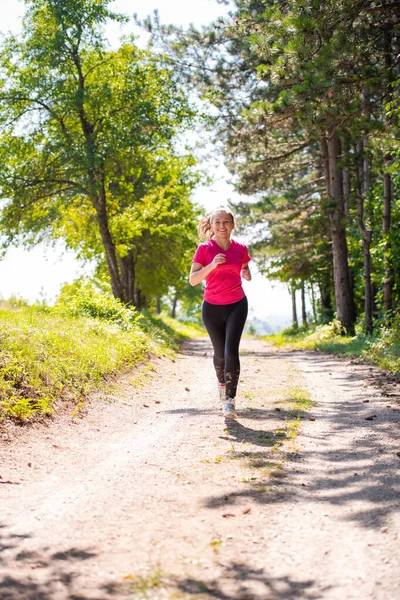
(245, 272)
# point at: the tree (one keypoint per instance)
(87, 145)
(287, 77)
(288, 233)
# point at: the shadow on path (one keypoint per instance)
(349, 461)
(54, 574)
(249, 584)
(59, 575)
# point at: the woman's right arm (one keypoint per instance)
(198, 273)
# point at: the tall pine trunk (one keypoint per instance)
(361, 186)
(330, 149)
(295, 322)
(303, 305)
(346, 180)
(325, 293)
(388, 274)
(313, 303)
(392, 63)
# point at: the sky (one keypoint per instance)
(40, 272)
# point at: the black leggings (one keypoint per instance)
(224, 323)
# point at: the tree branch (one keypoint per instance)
(43, 105)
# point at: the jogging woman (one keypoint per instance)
(223, 262)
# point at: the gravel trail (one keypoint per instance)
(151, 494)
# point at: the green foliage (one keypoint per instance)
(145, 586)
(288, 78)
(45, 357)
(311, 338)
(385, 349)
(87, 147)
(60, 354)
(187, 298)
(168, 332)
(84, 300)
(382, 349)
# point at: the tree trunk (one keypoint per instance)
(127, 269)
(367, 236)
(303, 305)
(330, 148)
(352, 288)
(365, 165)
(158, 306)
(295, 322)
(325, 292)
(109, 248)
(367, 282)
(388, 276)
(97, 181)
(346, 180)
(174, 305)
(140, 299)
(396, 51)
(346, 185)
(313, 303)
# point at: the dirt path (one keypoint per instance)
(151, 495)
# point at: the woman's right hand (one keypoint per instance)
(198, 272)
(219, 259)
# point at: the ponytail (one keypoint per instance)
(204, 229)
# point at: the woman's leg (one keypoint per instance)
(214, 319)
(234, 329)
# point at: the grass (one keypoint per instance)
(215, 543)
(382, 349)
(145, 586)
(168, 332)
(48, 355)
(264, 459)
(299, 399)
(141, 379)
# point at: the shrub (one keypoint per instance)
(85, 300)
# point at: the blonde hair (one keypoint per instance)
(204, 228)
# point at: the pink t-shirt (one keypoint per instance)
(223, 284)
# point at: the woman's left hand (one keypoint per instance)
(245, 273)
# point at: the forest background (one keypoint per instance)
(37, 273)
(303, 100)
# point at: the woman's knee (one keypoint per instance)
(232, 357)
(219, 360)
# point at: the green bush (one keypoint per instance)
(45, 356)
(63, 352)
(385, 349)
(382, 349)
(83, 299)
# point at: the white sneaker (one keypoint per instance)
(229, 411)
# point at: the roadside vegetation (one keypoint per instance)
(307, 113)
(49, 355)
(382, 349)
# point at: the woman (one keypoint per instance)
(222, 262)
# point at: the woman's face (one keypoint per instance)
(222, 224)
